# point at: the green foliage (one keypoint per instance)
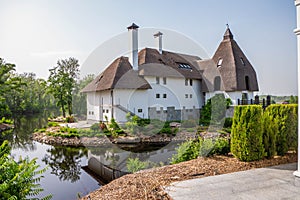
(79, 98)
(6, 121)
(62, 81)
(19, 180)
(53, 124)
(21, 93)
(228, 122)
(134, 164)
(66, 129)
(221, 146)
(293, 99)
(64, 135)
(191, 149)
(29, 95)
(213, 112)
(95, 127)
(285, 116)
(132, 123)
(247, 133)
(270, 132)
(42, 130)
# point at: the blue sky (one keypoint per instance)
(35, 34)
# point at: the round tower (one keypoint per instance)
(297, 32)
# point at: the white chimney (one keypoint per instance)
(133, 38)
(159, 41)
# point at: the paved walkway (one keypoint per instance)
(79, 124)
(276, 182)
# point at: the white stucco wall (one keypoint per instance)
(132, 100)
(92, 106)
(176, 92)
(97, 102)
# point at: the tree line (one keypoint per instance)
(26, 94)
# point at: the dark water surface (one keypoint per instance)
(64, 178)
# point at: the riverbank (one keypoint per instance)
(150, 184)
(45, 138)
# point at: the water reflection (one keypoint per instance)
(65, 162)
(110, 161)
(20, 136)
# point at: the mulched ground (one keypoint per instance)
(149, 184)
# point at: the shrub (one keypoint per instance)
(134, 165)
(214, 110)
(191, 149)
(228, 122)
(114, 125)
(206, 147)
(221, 146)
(18, 180)
(247, 133)
(286, 119)
(270, 133)
(165, 130)
(186, 151)
(95, 127)
(143, 122)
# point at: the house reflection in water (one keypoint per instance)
(108, 162)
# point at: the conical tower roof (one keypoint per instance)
(237, 73)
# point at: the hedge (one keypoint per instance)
(282, 121)
(257, 133)
(247, 133)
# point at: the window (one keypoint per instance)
(242, 61)
(164, 96)
(89, 112)
(107, 110)
(186, 96)
(140, 110)
(247, 82)
(186, 81)
(217, 83)
(191, 82)
(220, 62)
(191, 96)
(157, 80)
(92, 112)
(164, 80)
(184, 66)
(157, 96)
(103, 111)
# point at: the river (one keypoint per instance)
(65, 178)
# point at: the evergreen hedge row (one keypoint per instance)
(247, 133)
(282, 121)
(258, 133)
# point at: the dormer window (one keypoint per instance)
(219, 64)
(184, 66)
(242, 61)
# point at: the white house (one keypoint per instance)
(158, 84)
